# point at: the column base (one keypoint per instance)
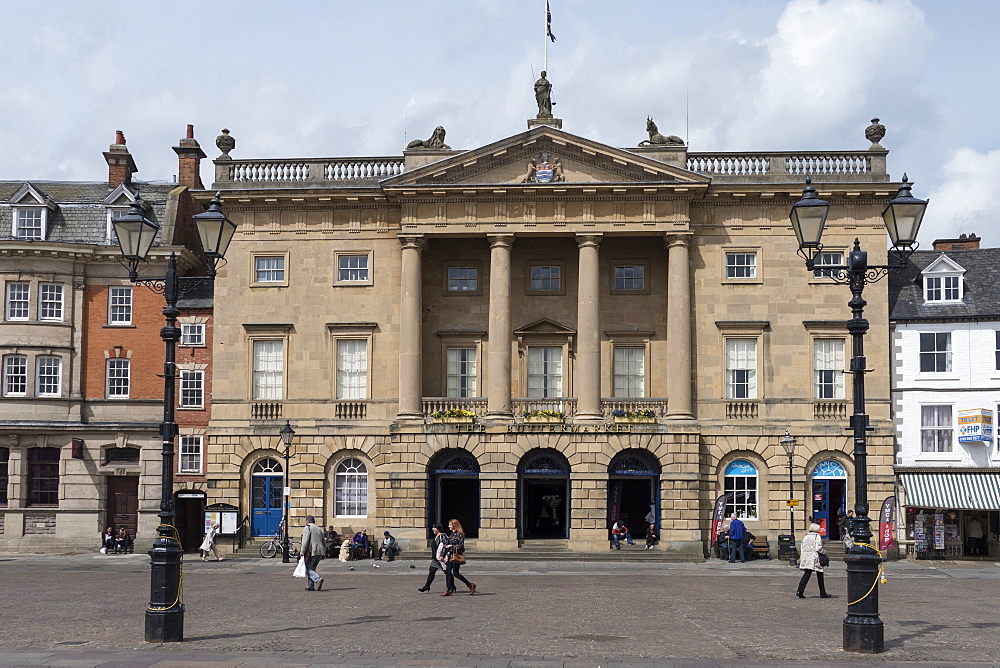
(588, 416)
(409, 416)
(499, 415)
(679, 416)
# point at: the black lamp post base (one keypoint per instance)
(165, 625)
(864, 636)
(864, 632)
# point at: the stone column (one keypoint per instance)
(498, 403)
(678, 328)
(410, 331)
(587, 375)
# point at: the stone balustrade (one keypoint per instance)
(297, 172)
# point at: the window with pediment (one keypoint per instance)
(944, 281)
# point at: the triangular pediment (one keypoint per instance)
(120, 196)
(944, 265)
(508, 162)
(544, 326)
(29, 195)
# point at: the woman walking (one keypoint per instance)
(209, 543)
(436, 545)
(454, 558)
(812, 548)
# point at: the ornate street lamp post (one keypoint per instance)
(165, 612)
(788, 444)
(863, 630)
(287, 433)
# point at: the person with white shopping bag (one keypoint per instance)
(313, 550)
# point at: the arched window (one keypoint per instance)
(545, 463)
(43, 477)
(829, 469)
(351, 489)
(741, 482)
(457, 464)
(267, 466)
(4, 476)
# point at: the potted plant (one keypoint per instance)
(454, 416)
(544, 416)
(643, 415)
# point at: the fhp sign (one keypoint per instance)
(975, 425)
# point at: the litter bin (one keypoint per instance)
(786, 548)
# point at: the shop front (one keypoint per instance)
(951, 515)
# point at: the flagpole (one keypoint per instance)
(545, 35)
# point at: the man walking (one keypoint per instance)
(312, 552)
(737, 532)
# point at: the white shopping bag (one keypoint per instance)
(300, 568)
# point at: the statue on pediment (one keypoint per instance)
(436, 141)
(543, 97)
(656, 139)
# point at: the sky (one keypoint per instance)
(324, 78)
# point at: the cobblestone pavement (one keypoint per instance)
(89, 610)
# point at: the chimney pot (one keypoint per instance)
(190, 132)
(119, 137)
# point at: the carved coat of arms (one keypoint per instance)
(544, 170)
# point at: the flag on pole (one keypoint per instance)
(548, 22)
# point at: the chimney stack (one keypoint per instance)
(963, 242)
(189, 155)
(121, 166)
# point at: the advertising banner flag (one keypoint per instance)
(887, 524)
(719, 516)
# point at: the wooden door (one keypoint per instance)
(123, 502)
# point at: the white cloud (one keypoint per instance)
(965, 201)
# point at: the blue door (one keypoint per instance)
(821, 506)
(265, 499)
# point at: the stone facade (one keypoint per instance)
(678, 257)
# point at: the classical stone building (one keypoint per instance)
(81, 398)
(414, 317)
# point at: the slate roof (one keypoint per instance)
(81, 215)
(982, 287)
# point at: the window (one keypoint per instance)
(741, 368)
(43, 477)
(17, 301)
(630, 371)
(118, 378)
(352, 269)
(942, 288)
(741, 265)
(29, 224)
(114, 212)
(193, 334)
(545, 278)
(463, 278)
(268, 369)
(935, 429)
(120, 306)
(49, 377)
(15, 376)
(191, 453)
(629, 277)
(828, 362)
(352, 369)
(935, 352)
(351, 489)
(741, 481)
(192, 388)
(545, 371)
(269, 269)
(4, 474)
(121, 456)
(461, 372)
(827, 258)
(50, 301)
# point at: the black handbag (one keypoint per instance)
(824, 559)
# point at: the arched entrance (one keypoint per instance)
(265, 497)
(829, 497)
(634, 491)
(543, 486)
(454, 489)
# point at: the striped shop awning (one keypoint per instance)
(969, 490)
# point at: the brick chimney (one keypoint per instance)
(963, 242)
(121, 166)
(189, 155)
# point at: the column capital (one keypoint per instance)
(412, 241)
(500, 240)
(671, 239)
(583, 240)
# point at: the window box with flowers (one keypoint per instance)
(454, 416)
(540, 416)
(642, 416)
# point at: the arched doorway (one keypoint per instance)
(543, 484)
(829, 497)
(634, 491)
(265, 497)
(455, 489)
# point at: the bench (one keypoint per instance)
(761, 549)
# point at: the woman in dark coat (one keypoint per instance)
(455, 547)
(439, 540)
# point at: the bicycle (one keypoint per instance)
(273, 547)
